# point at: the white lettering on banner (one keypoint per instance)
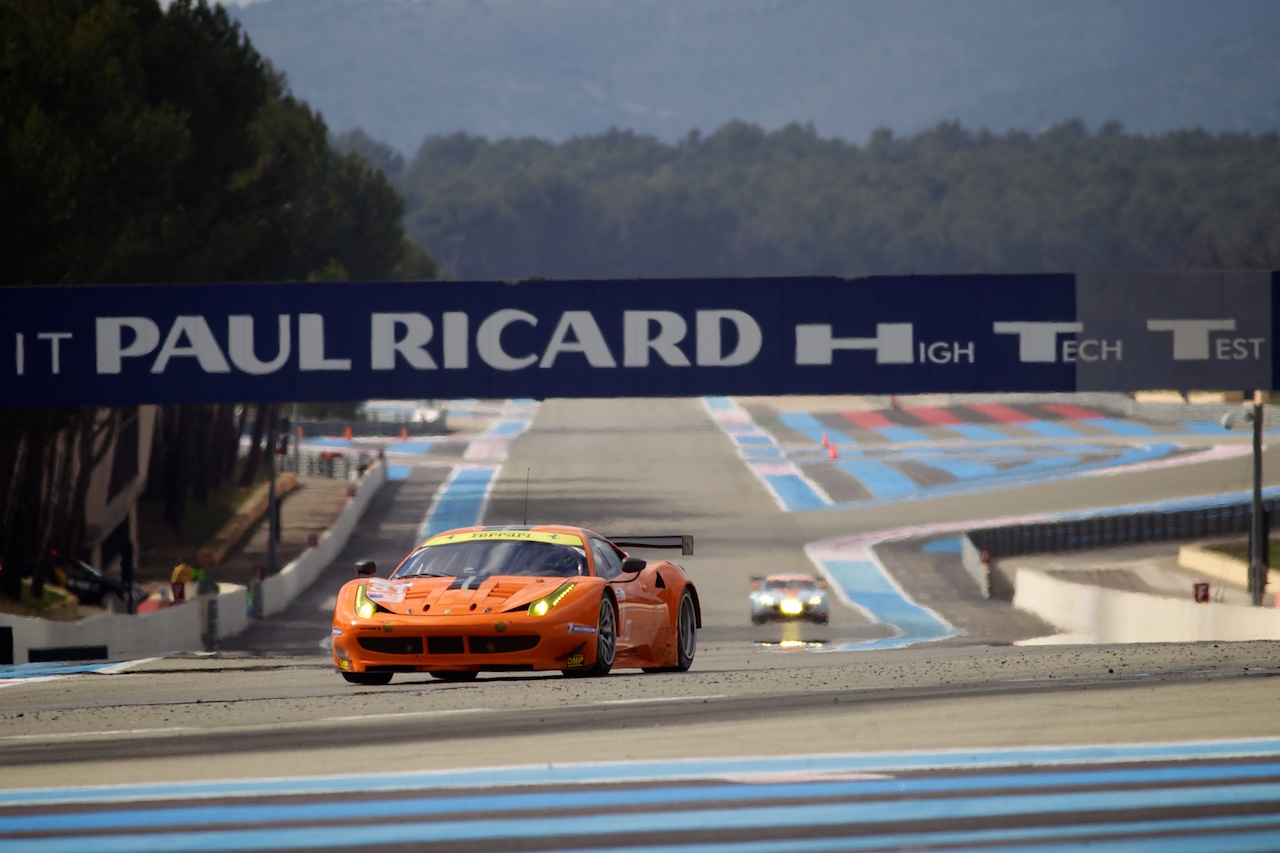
(636, 342)
(710, 346)
(54, 338)
(110, 341)
(191, 337)
(724, 338)
(1037, 342)
(455, 340)
(19, 354)
(1092, 350)
(892, 344)
(384, 344)
(1192, 339)
(407, 335)
(1238, 349)
(489, 339)
(311, 346)
(240, 345)
(200, 344)
(942, 352)
(587, 339)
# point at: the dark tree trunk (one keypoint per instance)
(254, 458)
(177, 468)
(204, 463)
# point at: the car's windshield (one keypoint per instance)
(797, 584)
(494, 557)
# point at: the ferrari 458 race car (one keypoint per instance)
(502, 599)
(788, 597)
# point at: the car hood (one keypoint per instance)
(460, 596)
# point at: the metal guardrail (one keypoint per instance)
(1103, 531)
(379, 429)
(341, 466)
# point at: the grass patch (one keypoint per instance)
(1240, 550)
(200, 523)
(53, 597)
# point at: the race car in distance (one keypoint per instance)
(789, 598)
(505, 599)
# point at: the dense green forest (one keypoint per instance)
(140, 144)
(745, 202)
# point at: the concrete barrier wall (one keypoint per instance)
(1090, 614)
(971, 559)
(279, 591)
(185, 627)
(173, 629)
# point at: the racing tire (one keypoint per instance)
(445, 675)
(606, 642)
(368, 678)
(686, 636)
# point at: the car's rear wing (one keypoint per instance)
(684, 542)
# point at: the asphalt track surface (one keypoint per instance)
(771, 742)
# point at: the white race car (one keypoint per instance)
(788, 598)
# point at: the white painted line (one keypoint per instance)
(123, 666)
(647, 701)
(437, 713)
(116, 732)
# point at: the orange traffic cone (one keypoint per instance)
(346, 433)
(825, 443)
(832, 452)
(404, 433)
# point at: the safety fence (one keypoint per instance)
(337, 464)
(983, 546)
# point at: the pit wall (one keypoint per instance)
(197, 624)
(1089, 614)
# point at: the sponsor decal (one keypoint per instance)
(386, 591)
(575, 660)
(337, 632)
(515, 535)
(620, 593)
(344, 664)
(581, 629)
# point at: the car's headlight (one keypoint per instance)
(543, 605)
(767, 600)
(791, 606)
(365, 606)
(815, 601)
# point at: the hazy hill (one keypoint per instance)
(406, 69)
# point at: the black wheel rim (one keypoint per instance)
(688, 631)
(606, 637)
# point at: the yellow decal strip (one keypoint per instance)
(516, 535)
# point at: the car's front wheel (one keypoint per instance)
(606, 641)
(454, 675)
(368, 678)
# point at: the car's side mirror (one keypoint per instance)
(366, 568)
(631, 565)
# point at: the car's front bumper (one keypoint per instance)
(512, 642)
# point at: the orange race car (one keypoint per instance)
(503, 599)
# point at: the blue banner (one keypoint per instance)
(129, 344)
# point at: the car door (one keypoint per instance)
(638, 601)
